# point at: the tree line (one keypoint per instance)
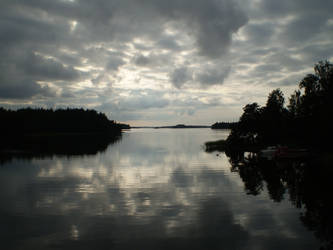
(42, 128)
(68, 120)
(305, 121)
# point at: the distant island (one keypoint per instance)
(175, 126)
(305, 122)
(61, 130)
(217, 125)
(184, 126)
(224, 125)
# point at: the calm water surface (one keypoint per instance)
(154, 189)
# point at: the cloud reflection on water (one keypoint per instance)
(152, 190)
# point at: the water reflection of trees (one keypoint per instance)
(306, 182)
(63, 145)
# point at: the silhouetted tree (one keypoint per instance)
(274, 119)
(245, 132)
(295, 104)
(275, 101)
(308, 107)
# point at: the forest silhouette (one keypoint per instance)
(61, 131)
(305, 122)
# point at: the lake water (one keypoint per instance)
(153, 189)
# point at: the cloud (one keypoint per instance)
(180, 76)
(114, 63)
(304, 28)
(143, 102)
(42, 68)
(284, 8)
(212, 76)
(136, 105)
(169, 43)
(50, 41)
(23, 89)
(259, 33)
(142, 60)
(77, 52)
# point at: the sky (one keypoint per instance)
(157, 62)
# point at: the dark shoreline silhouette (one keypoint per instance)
(303, 171)
(29, 131)
(306, 122)
(175, 126)
(224, 125)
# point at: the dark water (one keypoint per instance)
(154, 189)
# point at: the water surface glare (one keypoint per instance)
(154, 189)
